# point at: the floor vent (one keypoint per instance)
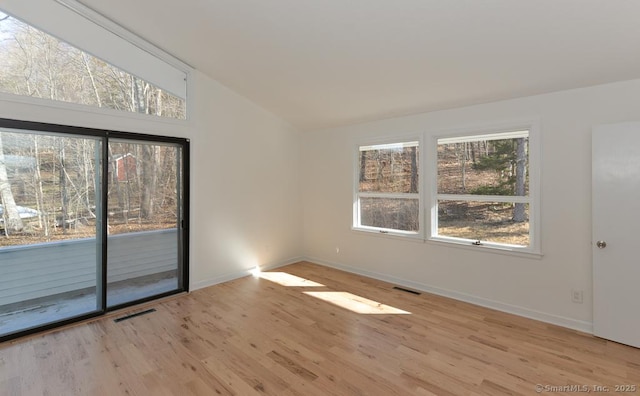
(407, 290)
(134, 315)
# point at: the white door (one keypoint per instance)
(616, 232)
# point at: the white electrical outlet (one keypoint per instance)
(576, 296)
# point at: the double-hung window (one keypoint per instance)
(387, 198)
(481, 188)
(481, 192)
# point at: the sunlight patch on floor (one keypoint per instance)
(284, 279)
(356, 303)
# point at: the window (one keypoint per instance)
(90, 221)
(482, 190)
(387, 198)
(122, 76)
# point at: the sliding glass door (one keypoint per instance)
(90, 221)
(144, 212)
(50, 233)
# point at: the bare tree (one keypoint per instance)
(461, 155)
(43, 220)
(11, 216)
(149, 181)
(413, 152)
(363, 166)
(39, 65)
(36, 64)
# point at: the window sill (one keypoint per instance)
(88, 109)
(486, 248)
(405, 236)
(415, 237)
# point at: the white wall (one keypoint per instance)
(251, 172)
(538, 288)
(245, 189)
(245, 207)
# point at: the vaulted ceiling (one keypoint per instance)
(323, 63)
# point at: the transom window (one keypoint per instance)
(387, 192)
(36, 64)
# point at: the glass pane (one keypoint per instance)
(35, 64)
(484, 221)
(491, 167)
(144, 198)
(392, 213)
(389, 168)
(50, 244)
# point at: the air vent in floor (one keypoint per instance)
(406, 290)
(134, 315)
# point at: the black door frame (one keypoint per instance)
(183, 229)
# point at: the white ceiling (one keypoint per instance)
(323, 63)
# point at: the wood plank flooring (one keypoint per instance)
(254, 336)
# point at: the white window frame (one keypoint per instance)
(91, 32)
(389, 142)
(505, 130)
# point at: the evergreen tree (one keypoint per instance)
(508, 159)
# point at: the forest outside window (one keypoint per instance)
(35, 64)
(482, 191)
(387, 198)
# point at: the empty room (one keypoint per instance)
(305, 197)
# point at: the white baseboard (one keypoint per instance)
(574, 324)
(239, 274)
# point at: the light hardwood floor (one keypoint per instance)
(254, 336)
